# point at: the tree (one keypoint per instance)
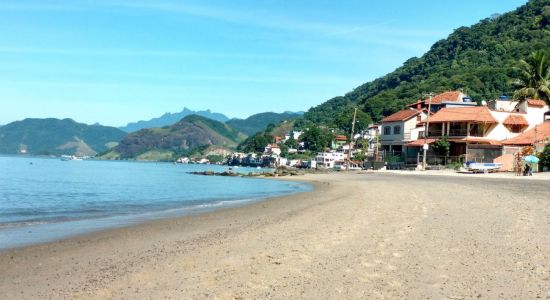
(442, 146)
(256, 143)
(533, 78)
(316, 139)
(291, 142)
(544, 157)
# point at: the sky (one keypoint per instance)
(119, 61)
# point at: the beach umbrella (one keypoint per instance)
(531, 159)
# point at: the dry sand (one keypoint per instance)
(357, 236)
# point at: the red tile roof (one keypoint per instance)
(453, 96)
(402, 115)
(420, 142)
(341, 138)
(477, 140)
(476, 114)
(537, 103)
(515, 120)
(541, 133)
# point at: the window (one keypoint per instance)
(515, 128)
(396, 129)
(387, 130)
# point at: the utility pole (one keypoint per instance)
(352, 132)
(425, 146)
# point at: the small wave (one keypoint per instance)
(24, 224)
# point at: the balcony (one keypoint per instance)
(460, 132)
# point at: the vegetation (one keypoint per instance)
(215, 158)
(533, 77)
(479, 60)
(57, 137)
(544, 157)
(256, 143)
(316, 139)
(187, 136)
(258, 122)
(442, 146)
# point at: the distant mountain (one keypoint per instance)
(171, 118)
(166, 143)
(259, 122)
(54, 136)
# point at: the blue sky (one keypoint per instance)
(114, 62)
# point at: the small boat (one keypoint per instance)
(476, 167)
(70, 157)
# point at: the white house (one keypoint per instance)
(329, 159)
(401, 128)
(272, 149)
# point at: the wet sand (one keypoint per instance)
(357, 236)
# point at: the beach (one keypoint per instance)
(356, 236)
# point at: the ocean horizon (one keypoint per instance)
(46, 199)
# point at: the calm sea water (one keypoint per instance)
(47, 199)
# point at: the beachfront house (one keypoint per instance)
(272, 149)
(479, 133)
(399, 129)
(329, 160)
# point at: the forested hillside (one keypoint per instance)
(259, 122)
(166, 143)
(56, 137)
(479, 59)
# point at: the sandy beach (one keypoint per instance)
(356, 236)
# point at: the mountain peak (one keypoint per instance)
(172, 118)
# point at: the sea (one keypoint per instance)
(47, 199)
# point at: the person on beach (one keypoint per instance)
(527, 171)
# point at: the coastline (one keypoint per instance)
(353, 236)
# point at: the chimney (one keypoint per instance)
(418, 105)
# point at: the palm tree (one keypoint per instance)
(533, 78)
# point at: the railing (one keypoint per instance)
(458, 132)
(434, 133)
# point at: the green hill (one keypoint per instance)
(479, 60)
(259, 122)
(54, 136)
(192, 132)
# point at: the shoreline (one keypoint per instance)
(129, 221)
(360, 235)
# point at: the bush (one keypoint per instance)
(442, 147)
(544, 157)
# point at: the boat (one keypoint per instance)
(70, 157)
(476, 167)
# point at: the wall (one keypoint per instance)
(535, 115)
(501, 132)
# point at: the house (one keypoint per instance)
(329, 160)
(401, 128)
(480, 133)
(272, 149)
(445, 99)
(338, 141)
(294, 134)
(369, 137)
(539, 135)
